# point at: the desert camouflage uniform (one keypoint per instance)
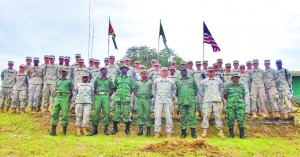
(245, 80)
(77, 78)
(8, 82)
(50, 76)
(175, 101)
(283, 86)
(199, 76)
(271, 79)
(112, 72)
(35, 87)
(191, 72)
(95, 73)
(19, 94)
(257, 90)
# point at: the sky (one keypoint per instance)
(244, 30)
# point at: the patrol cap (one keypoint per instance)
(267, 61)
(81, 60)
(123, 66)
(156, 64)
(173, 62)
(46, 56)
(242, 65)
(27, 58)
(10, 62)
(235, 75)
(227, 65)
(96, 61)
(91, 60)
(36, 58)
(64, 69)
(137, 62)
(106, 59)
(61, 57)
(235, 62)
(215, 65)
(255, 61)
(77, 55)
(67, 58)
(142, 66)
(183, 68)
(112, 57)
(190, 62)
(127, 59)
(278, 61)
(143, 71)
(171, 68)
(153, 61)
(219, 60)
(249, 62)
(210, 69)
(198, 62)
(205, 62)
(85, 75)
(121, 60)
(103, 68)
(22, 66)
(51, 56)
(183, 62)
(164, 68)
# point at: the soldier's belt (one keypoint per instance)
(102, 93)
(62, 94)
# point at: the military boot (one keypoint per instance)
(169, 135)
(1, 109)
(94, 131)
(183, 133)
(193, 133)
(19, 110)
(157, 135)
(276, 115)
(7, 109)
(242, 133)
(53, 131)
(148, 131)
(115, 129)
(13, 111)
(84, 131)
(265, 115)
(106, 130)
(38, 109)
(78, 131)
(46, 110)
(22, 111)
(290, 115)
(204, 133)
(64, 130)
(140, 130)
(254, 115)
(34, 109)
(231, 133)
(221, 134)
(127, 129)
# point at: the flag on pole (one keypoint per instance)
(209, 39)
(162, 33)
(112, 33)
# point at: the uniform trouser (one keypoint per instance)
(166, 103)
(83, 112)
(286, 97)
(47, 95)
(19, 98)
(273, 99)
(187, 115)
(143, 111)
(207, 108)
(258, 93)
(247, 101)
(35, 95)
(133, 102)
(61, 103)
(121, 108)
(101, 103)
(235, 111)
(6, 95)
(111, 104)
(175, 105)
(152, 104)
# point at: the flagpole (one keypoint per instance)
(89, 28)
(158, 43)
(108, 39)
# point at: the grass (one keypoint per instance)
(27, 135)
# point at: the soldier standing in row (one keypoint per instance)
(211, 93)
(67, 66)
(249, 67)
(234, 93)
(19, 94)
(199, 76)
(191, 71)
(84, 96)
(142, 91)
(164, 91)
(91, 64)
(61, 61)
(106, 61)
(245, 80)
(112, 72)
(103, 89)
(124, 86)
(172, 75)
(8, 80)
(220, 65)
(205, 65)
(63, 94)
(187, 90)
(95, 72)
(236, 66)
(28, 63)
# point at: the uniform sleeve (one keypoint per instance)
(95, 84)
(2, 75)
(195, 86)
(111, 84)
(221, 88)
(154, 87)
(116, 83)
(243, 90)
(71, 85)
(226, 90)
(75, 90)
(132, 85)
(174, 89)
(136, 87)
(289, 77)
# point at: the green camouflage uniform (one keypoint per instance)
(187, 90)
(124, 86)
(235, 108)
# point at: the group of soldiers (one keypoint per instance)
(241, 91)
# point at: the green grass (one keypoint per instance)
(26, 135)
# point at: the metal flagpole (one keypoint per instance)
(108, 37)
(89, 28)
(158, 43)
(93, 32)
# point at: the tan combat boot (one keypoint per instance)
(254, 115)
(169, 135)
(204, 133)
(6, 109)
(13, 111)
(276, 115)
(19, 110)
(221, 134)
(22, 110)
(157, 135)
(265, 115)
(290, 115)
(46, 110)
(84, 131)
(78, 131)
(1, 109)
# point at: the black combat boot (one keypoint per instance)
(193, 132)
(94, 131)
(183, 133)
(64, 130)
(140, 130)
(127, 129)
(148, 131)
(53, 131)
(231, 133)
(242, 133)
(106, 130)
(115, 129)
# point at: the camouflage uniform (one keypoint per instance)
(235, 108)
(154, 75)
(8, 82)
(283, 86)
(19, 94)
(50, 76)
(143, 90)
(187, 90)
(211, 93)
(271, 78)
(199, 76)
(191, 72)
(83, 94)
(35, 87)
(95, 73)
(257, 90)
(175, 101)
(112, 72)
(245, 80)
(164, 91)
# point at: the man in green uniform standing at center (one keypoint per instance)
(124, 86)
(187, 91)
(63, 95)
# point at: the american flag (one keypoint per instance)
(209, 39)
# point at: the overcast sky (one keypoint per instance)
(244, 30)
